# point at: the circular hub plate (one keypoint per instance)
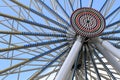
(87, 22)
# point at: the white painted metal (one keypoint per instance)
(67, 65)
(90, 2)
(113, 50)
(69, 75)
(108, 55)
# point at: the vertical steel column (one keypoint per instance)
(68, 63)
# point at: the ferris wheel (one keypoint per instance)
(59, 40)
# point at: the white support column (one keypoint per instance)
(113, 50)
(67, 65)
(108, 55)
(69, 75)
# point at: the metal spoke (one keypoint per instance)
(112, 24)
(111, 38)
(90, 3)
(33, 23)
(117, 9)
(111, 32)
(75, 65)
(107, 69)
(33, 34)
(80, 3)
(48, 73)
(116, 45)
(63, 9)
(71, 6)
(38, 72)
(53, 12)
(39, 14)
(85, 60)
(33, 58)
(94, 65)
(33, 45)
(103, 5)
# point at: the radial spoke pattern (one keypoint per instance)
(36, 37)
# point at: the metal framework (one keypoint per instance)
(59, 40)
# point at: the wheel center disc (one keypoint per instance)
(87, 22)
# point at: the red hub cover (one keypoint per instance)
(87, 22)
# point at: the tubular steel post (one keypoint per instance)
(68, 63)
(113, 50)
(111, 59)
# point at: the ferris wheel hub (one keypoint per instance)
(87, 22)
